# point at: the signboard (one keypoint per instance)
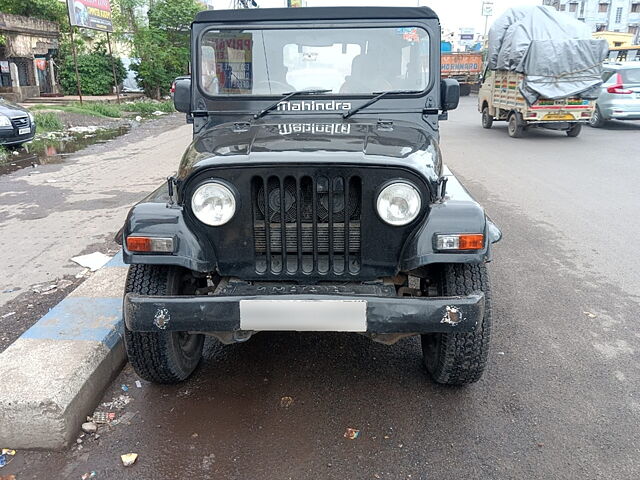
(233, 61)
(95, 14)
(4, 66)
(466, 36)
(487, 9)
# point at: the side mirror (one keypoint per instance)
(449, 94)
(182, 95)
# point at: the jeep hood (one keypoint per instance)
(312, 140)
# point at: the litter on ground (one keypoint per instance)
(352, 433)
(94, 261)
(129, 459)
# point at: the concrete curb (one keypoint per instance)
(55, 373)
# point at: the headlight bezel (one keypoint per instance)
(225, 185)
(391, 183)
(7, 121)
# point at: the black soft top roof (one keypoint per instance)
(313, 13)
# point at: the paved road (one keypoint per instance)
(54, 212)
(560, 400)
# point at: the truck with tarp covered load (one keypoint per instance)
(543, 70)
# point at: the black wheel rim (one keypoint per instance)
(187, 344)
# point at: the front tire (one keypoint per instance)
(487, 118)
(460, 358)
(161, 357)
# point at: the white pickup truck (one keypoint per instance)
(500, 99)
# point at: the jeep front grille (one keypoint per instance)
(318, 230)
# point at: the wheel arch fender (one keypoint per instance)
(158, 216)
(457, 213)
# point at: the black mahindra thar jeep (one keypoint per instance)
(313, 196)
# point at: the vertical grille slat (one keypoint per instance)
(330, 209)
(347, 222)
(267, 221)
(314, 217)
(283, 230)
(299, 221)
(306, 224)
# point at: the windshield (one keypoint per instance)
(343, 61)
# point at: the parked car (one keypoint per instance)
(620, 96)
(17, 125)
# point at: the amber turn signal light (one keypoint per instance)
(461, 241)
(150, 244)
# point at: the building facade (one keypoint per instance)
(26, 47)
(604, 15)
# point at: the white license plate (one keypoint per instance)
(24, 131)
(304, 315)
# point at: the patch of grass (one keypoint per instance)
(68, 108)
(147, 107)
(111, 110)
(48, 122)
(4, 154)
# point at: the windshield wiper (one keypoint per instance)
(286, 97)
(378, 96)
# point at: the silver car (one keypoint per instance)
(620, 96)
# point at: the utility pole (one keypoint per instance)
(487, 11)
(113, 68)
(75, 61)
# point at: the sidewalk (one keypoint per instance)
(67, 99)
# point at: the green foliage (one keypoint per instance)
(4, 154)
(146, 107)
(52, 10)
(96, 77)
(111, 110)
(48, 122)
(163, 45)
(101, 108)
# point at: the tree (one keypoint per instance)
(51, 10)
(95, 73)
(162, 46)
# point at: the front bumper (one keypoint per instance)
(381, 315)
(9, 136)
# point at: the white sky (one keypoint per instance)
(454, 14)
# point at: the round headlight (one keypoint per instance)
(213, 203)
(399, 203)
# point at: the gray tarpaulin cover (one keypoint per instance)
(554, 51)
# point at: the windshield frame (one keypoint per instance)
(298, 25)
